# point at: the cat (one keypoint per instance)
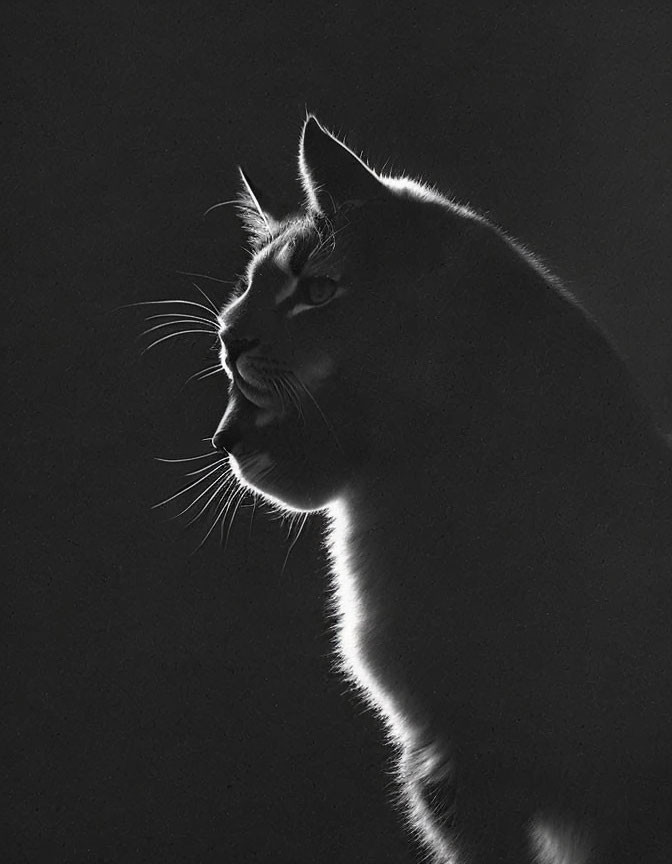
(499, 509)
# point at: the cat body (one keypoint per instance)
(499, 507)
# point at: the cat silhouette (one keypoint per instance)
(498, 505)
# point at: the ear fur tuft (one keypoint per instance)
(257, 221)
(330, 172)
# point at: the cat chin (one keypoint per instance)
(259, 472)
(268, 454)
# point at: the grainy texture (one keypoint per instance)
(157, 708)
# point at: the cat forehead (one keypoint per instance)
(292, 253)
(302, 242)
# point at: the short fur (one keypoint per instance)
(499, 507)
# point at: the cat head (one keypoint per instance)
(385, 324)
(337, 346)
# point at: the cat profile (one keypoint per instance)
(499, 511)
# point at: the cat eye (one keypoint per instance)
(320, 290)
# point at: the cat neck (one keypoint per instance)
(438, 556)
(437, 509)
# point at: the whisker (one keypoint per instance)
(291, 394)
(220, 482)
(201, 470)
(241, 498)
(220, 514)
(235, 495)
(254, 507)
(170, 324)
(163, 302)
(182, 316)
(205, 276)
(221, 204)
(216, 371)
(171, 335)
(294, 541)
(291, 518)
(223, 487)
(294, 397)
(314, 401)
(222, 505)
(187, 488)
(198, 288)
(203, 373)
(189, 458)
(329, 237)
(279, 394)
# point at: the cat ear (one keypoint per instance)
(332, 174)
(256, 218)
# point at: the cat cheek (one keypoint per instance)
(317, 371)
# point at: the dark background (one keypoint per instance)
(170, 705)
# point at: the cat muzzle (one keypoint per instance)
(255, 394)
(234, 426)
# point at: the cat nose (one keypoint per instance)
(236, 347)
(224, 440)
(230, 430)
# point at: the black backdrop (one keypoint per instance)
(168, 706)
